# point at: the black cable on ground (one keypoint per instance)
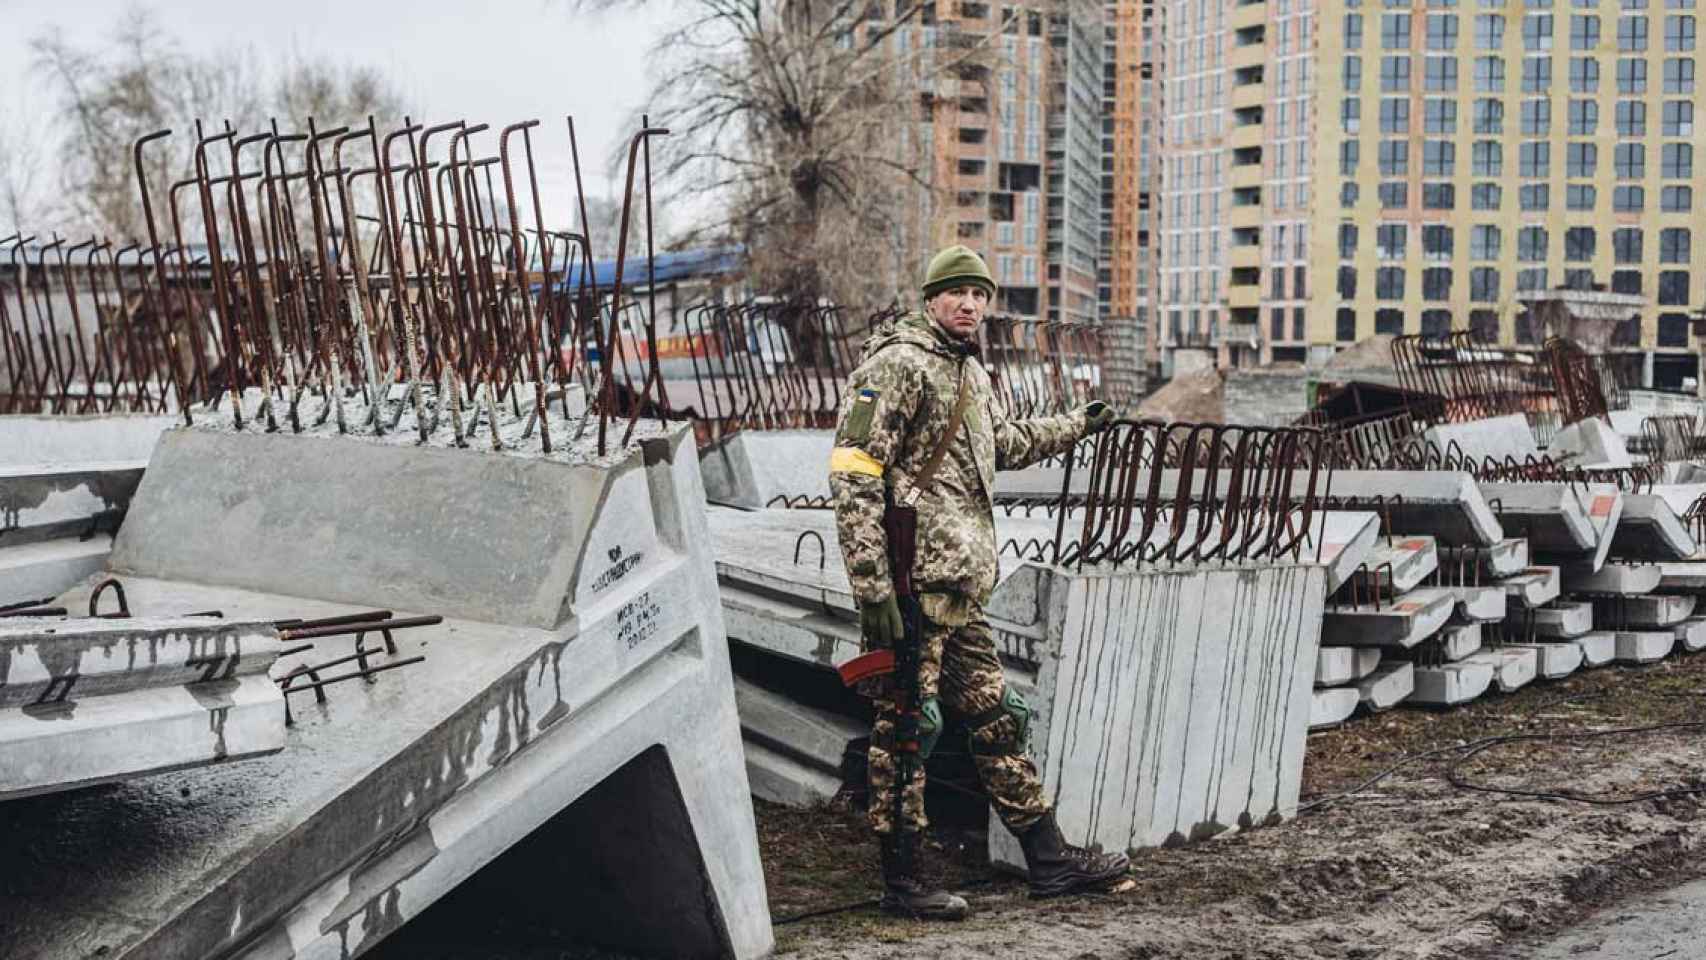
(1472, 748)
(826, 911)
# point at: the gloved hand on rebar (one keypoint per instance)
(1097, 416)
(879, 621)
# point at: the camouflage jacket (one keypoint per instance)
(897, 404)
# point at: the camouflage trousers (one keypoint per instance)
(958, 666)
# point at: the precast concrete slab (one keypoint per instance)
(61, 439)
(1553, 661)
(1402, 622)
(1591, 444)
(1650, 530)
(793, 751)
(103, 738)
(1615, 579)
(1691, 634)
(1563, 619)
(578, 685)
(1474, 604)
(1513, 667)
(1453, 642)
(1331, 706)
(34, 571)
(1534, 587)
(1347, 537)
(788, 627)
(39, 502)
(1549, 515)
(47, 661)
(1388, 686)
(1598, 647)
(1682, 576)
(754, 467)
(1335, 666)
(1644, 646)
(1399, 564)
(1506, 558)
(1678, 496)
(1450, 684)
(1493, 437)
(1203, 677)
(1447, 506)
(1604, 505)
(1652, 611)
(1441, 504)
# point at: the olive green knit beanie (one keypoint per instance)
(956, 266)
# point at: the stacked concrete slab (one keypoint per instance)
(87, 701)
(65, 483)
(1207, 672)
(577, 693)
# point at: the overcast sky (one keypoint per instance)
(496, 61)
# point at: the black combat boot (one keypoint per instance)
(903, 894)
(1057, 867)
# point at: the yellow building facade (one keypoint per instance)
(1467, 152)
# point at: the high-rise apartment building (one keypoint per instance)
(1009, 129)
(1131, 33)
(1336, 168)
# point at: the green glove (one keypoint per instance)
(1097, 416)
(879, 621)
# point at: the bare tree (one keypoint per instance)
(811, 126)
(21, 175)
(141, 81)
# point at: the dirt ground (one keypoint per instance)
(1412, 867)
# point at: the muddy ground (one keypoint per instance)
(1413, 867)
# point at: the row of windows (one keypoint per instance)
(1487, 116)
(1440, 74)
(1672, 328)
(1441, 31)
(1534, 159)
(1533, 197)
(1531, 4)
(1484, 283)
(1486, 241)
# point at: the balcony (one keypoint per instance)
(1247, 95)
(1245, 177)
(1249, 13)
(1244, 298)
(1249, 256)
(1247, 55)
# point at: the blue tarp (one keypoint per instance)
(668, 266)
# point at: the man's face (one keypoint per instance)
(959, 310)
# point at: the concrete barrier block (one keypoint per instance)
(1388, 686)
(596, 709)
(1553, 661)
(1549, 515)
(1644, 646)
(1591, 444)
(1449, 684)
(1534, 587)
(1682, 576)
(1398, 565)
(1206, 674)
(1495, 437)
(1404, 622)
(1331, 706)
(1614, 579)
(1649, 529)
(1563, 619)
(1513, 667)
(1691, 634)
(753, 467)
(1653, 610)
(1335, 666)
(1598, 647)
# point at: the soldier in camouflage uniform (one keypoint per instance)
(898, 403)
